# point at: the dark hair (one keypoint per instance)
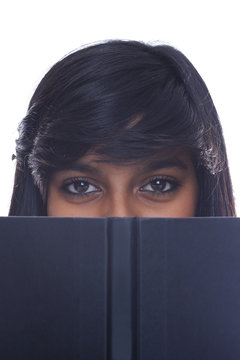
(127, 100)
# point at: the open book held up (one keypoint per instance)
(119, 288)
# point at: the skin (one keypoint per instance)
(162, 186)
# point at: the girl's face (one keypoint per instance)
(162, 186)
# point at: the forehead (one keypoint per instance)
(166, 159)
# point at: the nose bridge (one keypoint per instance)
(120, 205)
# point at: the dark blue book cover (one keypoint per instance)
(119, 288)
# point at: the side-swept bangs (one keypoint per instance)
(126, 100)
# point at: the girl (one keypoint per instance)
(122, 128)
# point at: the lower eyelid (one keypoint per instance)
(80, 196)
(157, 196)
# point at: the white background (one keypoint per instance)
(34, 35)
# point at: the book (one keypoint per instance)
(119, 288)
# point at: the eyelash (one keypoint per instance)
(174, 184)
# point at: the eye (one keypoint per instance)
(80, 187)
(160, 186)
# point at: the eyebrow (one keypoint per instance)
(81, 166)
(166, 163)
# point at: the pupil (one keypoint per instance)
(158, 185)
(81, 186)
